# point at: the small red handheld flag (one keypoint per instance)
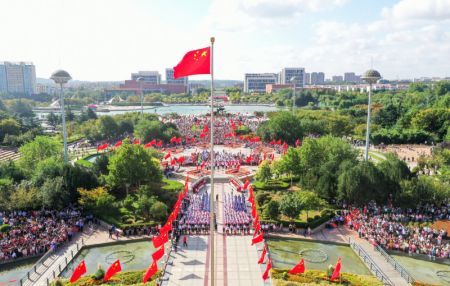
(78, 272)
(299, 268)
(113, 269)
(194, 62)
(266, 273)
(150, 271)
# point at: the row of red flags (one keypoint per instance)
(258, 237)
(158, 243)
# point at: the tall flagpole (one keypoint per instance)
(211, 218)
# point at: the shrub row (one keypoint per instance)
(315, 222)
(271, 185)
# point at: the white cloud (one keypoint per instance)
(245, 15)
(419, 9)
(410, 39)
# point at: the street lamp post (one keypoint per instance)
(61, 77)
(140, 80)
(371, 77)
(293, 80)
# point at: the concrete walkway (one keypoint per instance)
(380, 261)
(189, 264)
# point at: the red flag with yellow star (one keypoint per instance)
(78, 272)
(113, 269)
(194, 62)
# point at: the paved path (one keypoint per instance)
(380, 261)
(236, 260)
(189, 263)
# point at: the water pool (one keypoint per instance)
(425, 271)
(11, 276)
(132, 255)
(286, 253)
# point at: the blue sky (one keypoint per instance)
(109, 39)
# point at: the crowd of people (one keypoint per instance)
(191, 125)
(36, 232)
(394, 229)
(223, 159)
(195, 219)
(236, 218)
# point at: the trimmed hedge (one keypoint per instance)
(271, 185)
(131, 278)
(326, 215)
(319, 277)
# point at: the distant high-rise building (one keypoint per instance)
(351, 77)
(337, 78)
(17, 77)
(287, 73)
(152, 77)
(256, 82)
(307, 78)
(317, 78)
(171, 80)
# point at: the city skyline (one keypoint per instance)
(405, 38)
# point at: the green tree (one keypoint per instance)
(132, 165)
(39, 149)
(310, 201)
(53, 120)
(264, 172)
(442, 87)
(360, 183)
(435, 120)
(98, 201)
(290, 205)
(320, 164)
(107, 127)
(9, 126)
(53, 194)
(272, 210)
(6, 188)
(282, 126)
(159, 211)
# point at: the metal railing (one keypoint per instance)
(39, 268)
(405, 274)
(372, 265)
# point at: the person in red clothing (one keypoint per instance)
(185, 241)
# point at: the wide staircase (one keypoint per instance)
(7, 154)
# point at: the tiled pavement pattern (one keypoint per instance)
(189, 263)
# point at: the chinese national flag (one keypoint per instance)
(337, 270)
(299, 268)
(259, 238)
(266, 273)
(194, 62)
(263, 255)
(113, 269)
(160, 240)
(157, 255)
(78, 272)
(150, 271)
